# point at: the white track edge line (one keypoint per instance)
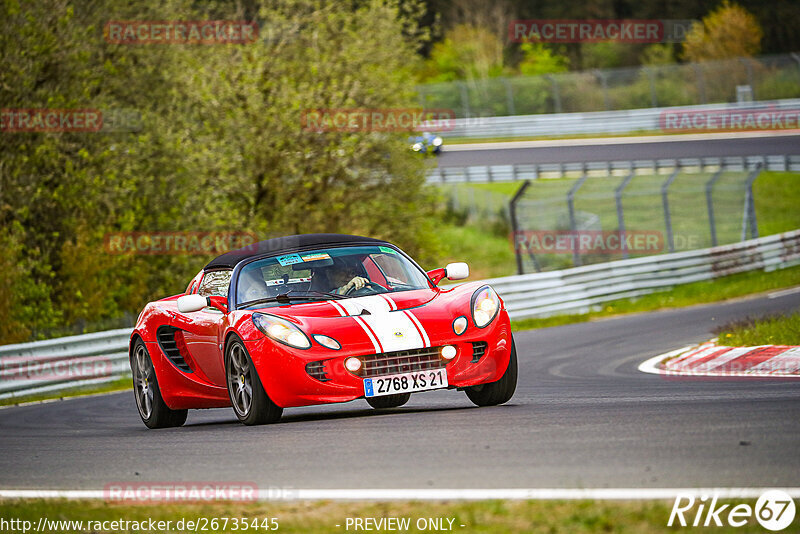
(288, 494)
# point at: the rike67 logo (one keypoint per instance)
(774, 510)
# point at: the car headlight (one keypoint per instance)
(460, 325)
(327, 341)
(416, 147)
(437, 141)
(485, 305)
(281, 330)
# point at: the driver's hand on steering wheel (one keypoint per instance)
(355, 284)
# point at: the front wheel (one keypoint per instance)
(250, 402)
(388, 401)
(152, 409)
(500, 391)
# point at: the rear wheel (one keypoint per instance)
(152, 409)
(388, 401)
(498, 392)
(250, 402)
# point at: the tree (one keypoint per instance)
(538, 59)
(727, 32)
(466, 53)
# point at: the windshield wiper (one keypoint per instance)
(286, 298)
(309, 293)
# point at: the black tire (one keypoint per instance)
(152, 409)
(388, 401)
(495, 393)
(242, 381)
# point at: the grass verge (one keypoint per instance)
(638, 133)
(769, 330)
(117, 385)
(734, 286)
(496, 517)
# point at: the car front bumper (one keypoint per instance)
(290, 381)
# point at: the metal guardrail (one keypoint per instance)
(63, 361)
(596, 122)
(578, 289)
(534, 171)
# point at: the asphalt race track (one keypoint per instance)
(583, 417)
(620, 149)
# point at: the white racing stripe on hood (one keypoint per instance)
(393, 329)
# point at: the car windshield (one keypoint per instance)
(328, 273)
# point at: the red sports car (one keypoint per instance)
(314, 319)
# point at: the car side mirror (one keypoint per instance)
(193, 303)
(453, 271)
(456, 271)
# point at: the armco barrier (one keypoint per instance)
(63, 363)
(597, 122)
(533, 171)
(574, 290)
(578, 289)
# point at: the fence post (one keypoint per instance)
(651, 78)
(710, 205)
(509, 97)
(749, 216)
(620, 212)
(701, 83)
(604, 81)
(665, 202)
(556, 93)
(749, 69)
(464, 99)
(576, 256)
(512, 211)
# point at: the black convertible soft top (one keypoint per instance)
(287, 244)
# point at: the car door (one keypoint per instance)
(202, 330)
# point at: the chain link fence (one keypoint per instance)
(593, 216)
(743, 79)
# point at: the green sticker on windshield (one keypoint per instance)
(388, 250)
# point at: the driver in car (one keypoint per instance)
(344, 279)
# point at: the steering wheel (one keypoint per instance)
(375, 288)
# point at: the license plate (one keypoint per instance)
(405, 383)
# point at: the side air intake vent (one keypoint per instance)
(171, 341)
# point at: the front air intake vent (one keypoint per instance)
(169, 339)
(478, 350)
(317, 370)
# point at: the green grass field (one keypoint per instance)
(771, 330)
(720, 289)
(495, 517)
